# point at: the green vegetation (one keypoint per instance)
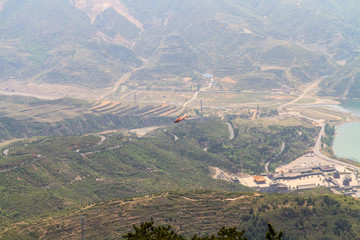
(328, 138)
(147, 231)
(255, 142)
(345, 82)
(73, 170)
(11, 128)
(309, 215)
(53, 177)
(57, 172)
(37, 50)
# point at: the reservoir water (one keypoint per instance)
(347, 139)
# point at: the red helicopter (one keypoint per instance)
(179, 119)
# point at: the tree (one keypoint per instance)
(271, 234)
(147, 231)
(224, 234)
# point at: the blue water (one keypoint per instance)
(352, 106)
(347, 139)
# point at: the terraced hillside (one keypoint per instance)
(305, 216)
(47, 174)
(22, 117)
(118, 108)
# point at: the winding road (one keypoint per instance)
(268, 163)
(231, 130)
(124, 78)
(102, 140)
(317, 146)
(302, 95)
(196, 93)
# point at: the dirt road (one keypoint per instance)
(231, 130)
(196, 93)
(312, 86)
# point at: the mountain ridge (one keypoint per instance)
(93, 43)
(93, 8)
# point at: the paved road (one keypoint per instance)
(102, 140)
(267, 167)
(317, 146)
(302, 95)
(5, 152)
(124, 78)
(268, 163)
(175, 137)
(231, 130)
(196, 93)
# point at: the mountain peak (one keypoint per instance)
(2, 2)
(95, 7)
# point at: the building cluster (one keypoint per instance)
(296, 179)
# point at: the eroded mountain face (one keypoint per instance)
(93, 8)
(54, 42)
(112, 19)
(258, 44)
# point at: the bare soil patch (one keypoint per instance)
(47, 90)
(228, 80)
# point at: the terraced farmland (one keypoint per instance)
(27, 117)
(186, 212)
(40, 112)
(118, 108)
(105, 106)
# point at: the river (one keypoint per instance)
(347, 139)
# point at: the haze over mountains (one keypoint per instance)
(102, 82)
(259, 44)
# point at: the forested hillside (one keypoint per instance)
(255, 142)
(44, 174)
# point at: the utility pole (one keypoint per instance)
(201, 106)
(82, 227)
